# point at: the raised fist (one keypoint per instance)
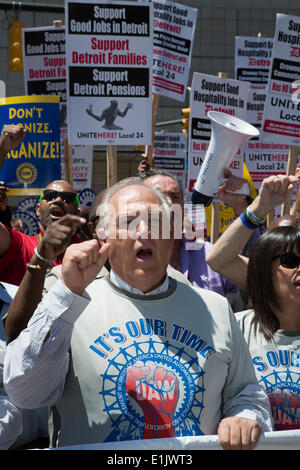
(11, 136)
(156, 390)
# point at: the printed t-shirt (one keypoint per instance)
(277, 366)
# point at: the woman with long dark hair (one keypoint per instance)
(272, 326)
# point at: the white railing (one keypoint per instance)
(279, 440)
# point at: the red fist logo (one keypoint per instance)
(156, 390)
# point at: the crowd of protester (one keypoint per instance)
(69, 294)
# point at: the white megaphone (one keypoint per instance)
(228, 134)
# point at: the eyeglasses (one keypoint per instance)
(288, 260)
(50, 195)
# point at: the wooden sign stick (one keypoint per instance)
(149, 148)
(111, 165)
(68, 161)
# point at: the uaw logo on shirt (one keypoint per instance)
(26, 173)
(155, 391)
(152, 388)
(279, 374)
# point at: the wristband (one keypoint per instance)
(253, 217)
(45, 260)
(247, 223)
(249, 220)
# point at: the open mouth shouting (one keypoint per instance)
(144, 254)
(56, 212)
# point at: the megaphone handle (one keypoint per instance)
(199, 198)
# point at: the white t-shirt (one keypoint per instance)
(277, 366)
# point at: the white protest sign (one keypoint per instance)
(211, 93)
(109, 72)
(281, 120)
(253, 59)
(170, 149)
(262, 158)
(45, 64)
(174, 31)
(82, 166)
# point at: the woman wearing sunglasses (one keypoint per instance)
(225, 256)
(272, 327)
(271, 278)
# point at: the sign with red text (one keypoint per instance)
(252, 62)
(281, 120)
(45, 64)
(262, 158)
(109, 72)
(82, 166)
(211, 93)
(174, 31)
(253, 59)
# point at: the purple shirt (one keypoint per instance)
(197, 271)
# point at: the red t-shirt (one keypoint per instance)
(13, 263)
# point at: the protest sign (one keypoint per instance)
(174, 31)
(211, 93)
(281, 119)
(253, 59)
(170, 150)
(81, 167)
(262, 158)
(36, 161)
(45, 64)
(109, 72)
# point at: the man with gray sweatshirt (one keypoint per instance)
(135, 354)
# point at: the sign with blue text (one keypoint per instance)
(36, 161)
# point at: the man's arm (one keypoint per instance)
(36, 362)
(225, 257)
(56, 239)
(5, 240)
(11, 137)
(246, 409)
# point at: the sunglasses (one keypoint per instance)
(50, 195)
(288, 260)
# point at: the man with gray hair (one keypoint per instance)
(135, 354)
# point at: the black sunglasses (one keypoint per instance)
(288, 260)
(51, 195)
